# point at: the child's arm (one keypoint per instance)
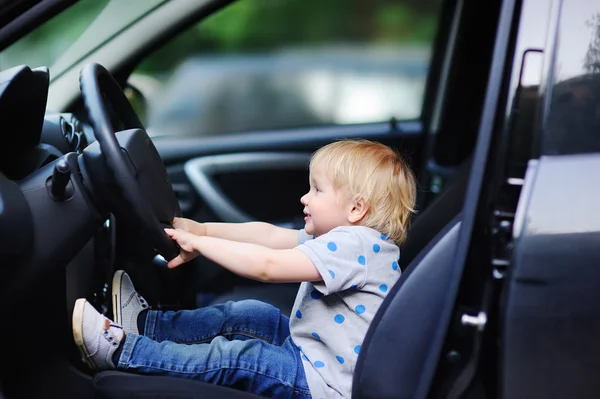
(260, 233)
(246, 259)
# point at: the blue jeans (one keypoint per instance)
(244, 345)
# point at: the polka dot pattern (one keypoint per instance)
(316, 294)
(347, 261)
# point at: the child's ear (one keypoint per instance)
(358, 210)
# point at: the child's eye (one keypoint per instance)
(317, 189)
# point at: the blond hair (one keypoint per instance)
(377, 174)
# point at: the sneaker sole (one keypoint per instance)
(78, 332)
(116, 296)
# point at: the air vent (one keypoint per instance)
(73, 132)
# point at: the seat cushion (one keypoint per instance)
(120, 385)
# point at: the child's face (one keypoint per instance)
(324, 208)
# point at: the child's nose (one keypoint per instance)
(304, 199)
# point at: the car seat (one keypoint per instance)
(395, 359)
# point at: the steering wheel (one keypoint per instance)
(131, 158)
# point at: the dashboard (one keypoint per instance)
(34, 137)
(31, 139)
(65, 132)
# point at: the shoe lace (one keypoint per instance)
(108, 337)
(142, 301)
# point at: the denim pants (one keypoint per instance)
(244, 345)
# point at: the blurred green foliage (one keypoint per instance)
(249, 26)
(267, 25)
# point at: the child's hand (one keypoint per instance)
(189, 225)
(181, 224)
(185, 241)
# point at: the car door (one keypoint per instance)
(521, 314)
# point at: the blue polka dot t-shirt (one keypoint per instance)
(330, 318)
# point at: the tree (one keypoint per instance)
(591, 62)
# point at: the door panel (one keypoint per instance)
(261, 176)
(176, 149)
(242, 177)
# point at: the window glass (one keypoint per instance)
(278, 64)
(572, 117)
(44, 45)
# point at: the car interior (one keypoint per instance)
(86, 188)
(91, 211)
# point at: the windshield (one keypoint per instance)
(254, 65)
(45, 44)
(71, 35)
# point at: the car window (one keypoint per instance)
(572, 114)
(273, 64)
(44, 45)
(66, 38)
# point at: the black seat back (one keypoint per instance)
(395, 359)
(438, 214)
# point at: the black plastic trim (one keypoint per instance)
(178, 149)
(38, 14)
(200, 170)
(473, 204)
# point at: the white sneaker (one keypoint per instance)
(95, 335)
(127, 303)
